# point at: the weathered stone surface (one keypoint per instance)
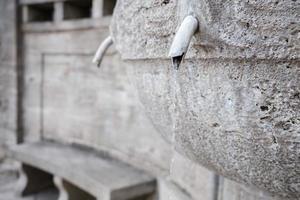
(241, 120)
(234, 104)
(228, 29)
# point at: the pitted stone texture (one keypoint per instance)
(145, 25)
(228, 29)
(239, 118)
(235, 106)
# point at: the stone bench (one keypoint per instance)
(79, 173)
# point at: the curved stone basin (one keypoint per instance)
(234, 104)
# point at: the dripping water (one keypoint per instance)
(174, 85)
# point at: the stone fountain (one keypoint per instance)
(233, 105)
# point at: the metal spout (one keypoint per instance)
(102, 50)
(182, 40)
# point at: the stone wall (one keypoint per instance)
(68, 99)
(7, 74)
(8, 92)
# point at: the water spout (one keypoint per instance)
(176, 61)
(102, 50)
(182, 40)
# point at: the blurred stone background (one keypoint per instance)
(50, 90)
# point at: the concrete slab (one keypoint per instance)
(96, 174)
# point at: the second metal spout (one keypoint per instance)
(182, 40)
(102, 50)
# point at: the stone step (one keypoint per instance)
(97, 174)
